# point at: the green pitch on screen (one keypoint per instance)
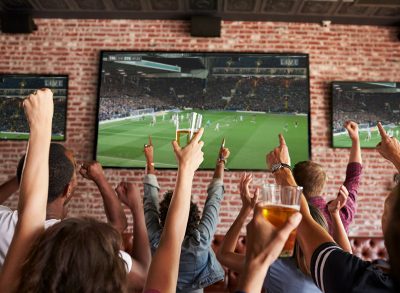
(343, 140)
(120, 143)
(24, 136)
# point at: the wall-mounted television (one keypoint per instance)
(14, 88)
(248, 99)
(365, 103)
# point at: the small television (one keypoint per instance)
(248, 99)
(365, 103)
(14, 88)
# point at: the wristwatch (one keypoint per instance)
(277, 166)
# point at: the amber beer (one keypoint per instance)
(183, 135)
(277, 215)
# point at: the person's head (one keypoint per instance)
(391, 231)
(311, 176)
(194, 214)
(62, 177)
(75, 255)
(300, 258)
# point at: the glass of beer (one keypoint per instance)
(278, 204)
(187, 125)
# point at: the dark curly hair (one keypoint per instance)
(194, 214)
(75, 255)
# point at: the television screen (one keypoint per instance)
(15, 88)
(365, 103)
(248, 99)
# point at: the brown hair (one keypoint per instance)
(76, 255)
(392, 237)
(194, 213)
(311, 176)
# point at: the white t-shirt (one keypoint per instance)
(8, 222)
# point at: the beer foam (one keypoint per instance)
(293, 207)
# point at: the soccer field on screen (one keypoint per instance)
(343, 140)
(25, 136)
(248, 136)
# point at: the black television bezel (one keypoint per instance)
(66, 102)
(197, 52)
(331, 108)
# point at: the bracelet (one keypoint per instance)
(278, 166)
(222, 159)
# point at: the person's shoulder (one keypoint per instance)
(7, 213)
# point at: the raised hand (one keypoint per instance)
(280, 154)
(224, 153)
(264, 244)
(148, 151)
(191, 156)
(39, 109)
(389, 147)
(352, 129)
(92, 171)
(340, 201)
(128, 193)
(248, 201)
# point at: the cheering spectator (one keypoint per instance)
(198, 265)
(312, 177)
(34, 185)
(332, 269)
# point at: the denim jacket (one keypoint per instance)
(198, 267)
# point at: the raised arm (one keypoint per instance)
(226, 253)
(163, 273)
(355, 151)
(339, 232)
(264, 244)
(8, 188)
(209, 219)
(129, 194)
(389, 147)
(34, 187)
(309, 233)
(151, 190)
(148, 153)
(114, 212)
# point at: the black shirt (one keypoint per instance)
(336, 271)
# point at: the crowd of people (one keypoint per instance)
(44, 250)
(365, 108)
(12, 118)
(120, 96)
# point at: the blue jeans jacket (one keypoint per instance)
(198, 267)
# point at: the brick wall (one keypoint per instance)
(336, 53)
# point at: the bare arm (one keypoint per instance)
(141, 254)
(163, 273)
(226, 254)
(309, 233)
(355, 151)
(389, 147)
(149, 154)
(114, 211)
(8, 188)
(221, 161)
(339, 232)
(34, 188)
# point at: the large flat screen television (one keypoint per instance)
(16, 87)
(248, 99)
(365, 103)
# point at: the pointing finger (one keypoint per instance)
(281, 140)
(382, 131)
